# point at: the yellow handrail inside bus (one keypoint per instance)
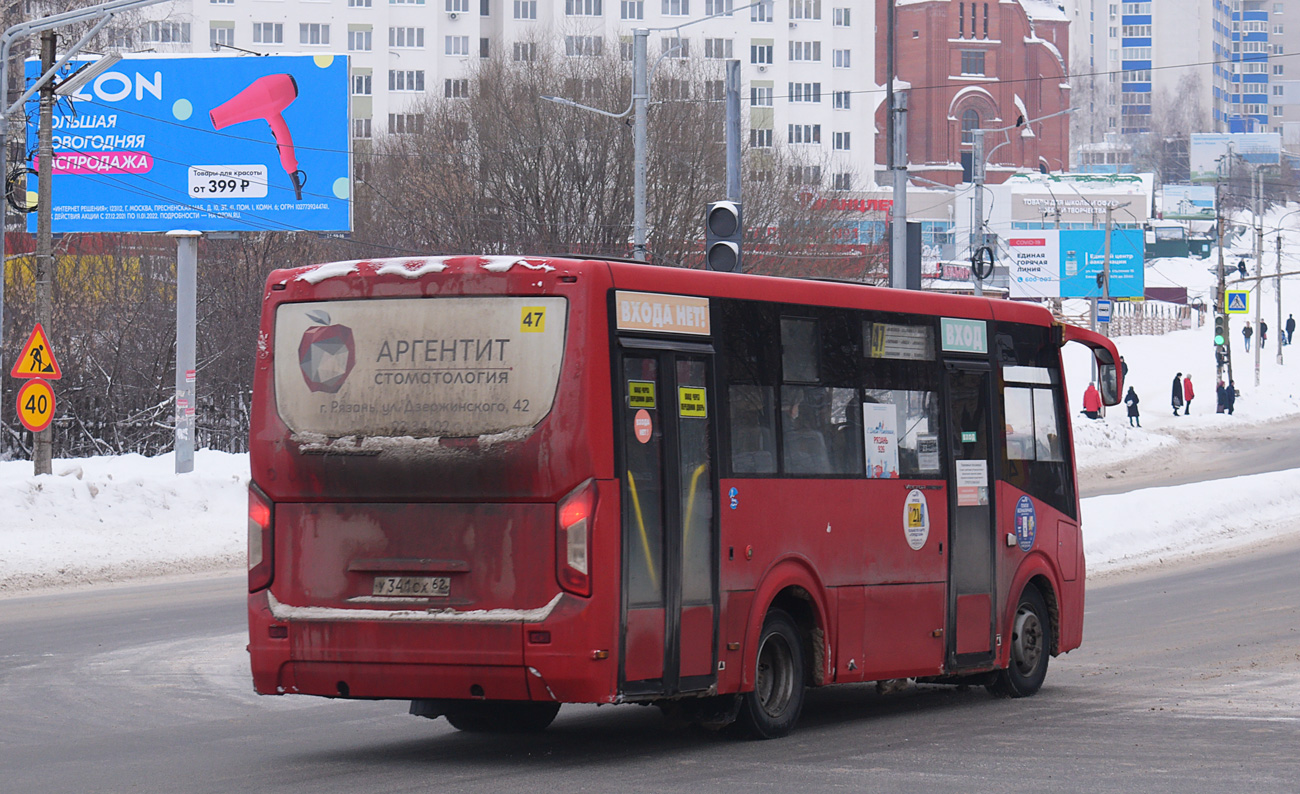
(690, 506)
(640, 520)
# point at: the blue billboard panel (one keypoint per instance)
(1047, 263)
(207, 143)
(1088, 248)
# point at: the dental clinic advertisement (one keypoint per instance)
(1051, 263)
(156, 143)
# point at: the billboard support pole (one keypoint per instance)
(187, 257)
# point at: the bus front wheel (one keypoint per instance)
(488, 716)
(771, 709)
(1031, 644)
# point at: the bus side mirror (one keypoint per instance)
(1108, 381)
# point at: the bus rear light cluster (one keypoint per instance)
(573, 539)
(261, 546)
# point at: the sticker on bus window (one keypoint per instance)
(927, 452)
(641, 394)
(916, 519)
(532, 319)
(968, 437)
(879, 426)
(972, 483)
(643, 426)
(690, 403)
(1026, 523)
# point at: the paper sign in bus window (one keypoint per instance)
(690, 403)
(880, 428)
(972, 483)
(641, 393)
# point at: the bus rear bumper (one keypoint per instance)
(445, 661)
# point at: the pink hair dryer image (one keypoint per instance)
(266, 98)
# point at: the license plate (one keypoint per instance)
(434, 586)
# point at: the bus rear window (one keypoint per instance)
(419, 367)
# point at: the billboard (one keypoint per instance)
(1207, 148)
(1187, 202)
(202, 142)
(1050, 263)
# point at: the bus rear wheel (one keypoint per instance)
(500, 716)
(771, 709)
(1031, 645)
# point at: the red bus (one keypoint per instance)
(493, 485)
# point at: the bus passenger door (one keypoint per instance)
(669, 534)
(971, 597)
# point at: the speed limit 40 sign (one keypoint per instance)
(36, 405)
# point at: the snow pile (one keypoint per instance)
(104, 518)
(1159, 524)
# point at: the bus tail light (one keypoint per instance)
(573, 539)
(261, 546)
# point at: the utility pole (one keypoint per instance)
(1259, 263)
(1280, 329)
(896, 155)
(43, 443)
(640, 103)
(977, 179)
(1105, 267)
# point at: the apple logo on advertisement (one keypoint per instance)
(326, 354)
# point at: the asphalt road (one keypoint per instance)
(1188, 681)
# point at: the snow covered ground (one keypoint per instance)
(111, 518)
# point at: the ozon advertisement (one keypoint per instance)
(207, 143)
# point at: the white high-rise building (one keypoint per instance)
(808, 66)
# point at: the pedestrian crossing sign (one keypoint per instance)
(37, 359)
(1238, 301)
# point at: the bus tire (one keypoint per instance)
(500, 716)
(1031, 645)
(771, 709)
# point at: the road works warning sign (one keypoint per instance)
(37, 359)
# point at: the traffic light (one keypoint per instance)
(722, 234)
(1220, 329)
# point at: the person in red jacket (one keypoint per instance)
(1188, 394)
(1091, 402)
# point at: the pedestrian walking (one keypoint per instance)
(1091, 402)
(1290, 328)
(1131, 400)
(1230, 396)
(1123, 370)
(1246, 332)
(1176, 397)
(1263, 334)
(1188, 394)
(1219, 404)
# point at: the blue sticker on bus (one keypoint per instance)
(734, 494)
(1026, 523)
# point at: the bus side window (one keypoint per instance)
(753, 430)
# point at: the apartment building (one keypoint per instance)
(807, 65)
(1136, 63)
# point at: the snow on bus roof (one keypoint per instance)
(502, 264)
(413, 267)
(319, 273)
